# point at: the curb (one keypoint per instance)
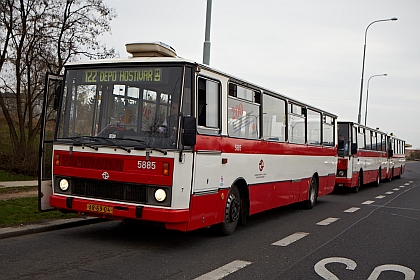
(47, 226)
(10, 184)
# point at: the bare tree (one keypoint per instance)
(39, 36)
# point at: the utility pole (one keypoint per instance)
(206, 50)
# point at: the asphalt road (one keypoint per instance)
(374, 234)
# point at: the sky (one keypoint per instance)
(308, 50)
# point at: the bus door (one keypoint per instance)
(52, 93)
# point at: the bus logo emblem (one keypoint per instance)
(105, 175)
(261, 165)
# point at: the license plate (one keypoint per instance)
(100, 208)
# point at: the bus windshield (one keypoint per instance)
(343, 139)
(122, 105)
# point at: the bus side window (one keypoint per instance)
(354, 141)
(208, 108)
(274, 118)
(328, 131)
(361, 138)
(296, 124)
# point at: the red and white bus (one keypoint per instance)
(367, 155)
(396, 160)
(156, 137)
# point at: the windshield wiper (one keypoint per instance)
(76, 139)
(146, 145)
(128, 150)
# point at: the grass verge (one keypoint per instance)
(5, 176)
(17, 211)
(11, 190)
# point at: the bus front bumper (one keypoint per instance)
(173, 219)
(340, 181)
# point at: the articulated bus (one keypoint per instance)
(159, 138)
(367, 155)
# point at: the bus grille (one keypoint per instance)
(92, 162)
(110, 190)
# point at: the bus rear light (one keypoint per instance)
(57, 160)
(165, 169)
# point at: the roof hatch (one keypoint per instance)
(150, 49)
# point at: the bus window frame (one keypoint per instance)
(207, 130)
(256, 92)
(284, 120)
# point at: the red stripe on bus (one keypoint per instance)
(249, 146)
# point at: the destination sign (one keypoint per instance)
(123, 75)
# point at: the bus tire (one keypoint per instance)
(399, 174)
(378, 180)
(232, 211)
(392, 175)
(312, 194)
(359, 183)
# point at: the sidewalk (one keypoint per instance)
(47, 226)
(43, 226)
(10, 184)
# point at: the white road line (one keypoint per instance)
(290, 239)
(367, 202)
(396, 189)
(380, 196)
(352, 210)
(224, 271)
(407, 184)
(327, 221)
(389, 192)
(401, 186)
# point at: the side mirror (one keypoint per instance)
(390, 153)
(189, 131)
(353, 148)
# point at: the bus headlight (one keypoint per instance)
(341, 173)
(64, 185)
(160, 195)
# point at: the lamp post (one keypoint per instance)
(206, 50)
(359, 116)
(367, 93)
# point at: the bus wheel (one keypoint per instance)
(392, 175)
(312, 194)
(378, 180)
(232, 211)
(399, 174)
(359, 184)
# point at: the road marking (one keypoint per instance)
(352, 210)
(290, 239)
(389, 192)
(401, 186)
(367, 202)
(326, 222)
(407, 184)
(408, 272)
(224, 270)
(380, 196)
(396, 189)
(322, 271)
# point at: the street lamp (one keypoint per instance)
(206, 50)
(367, 93)
(359, 116)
